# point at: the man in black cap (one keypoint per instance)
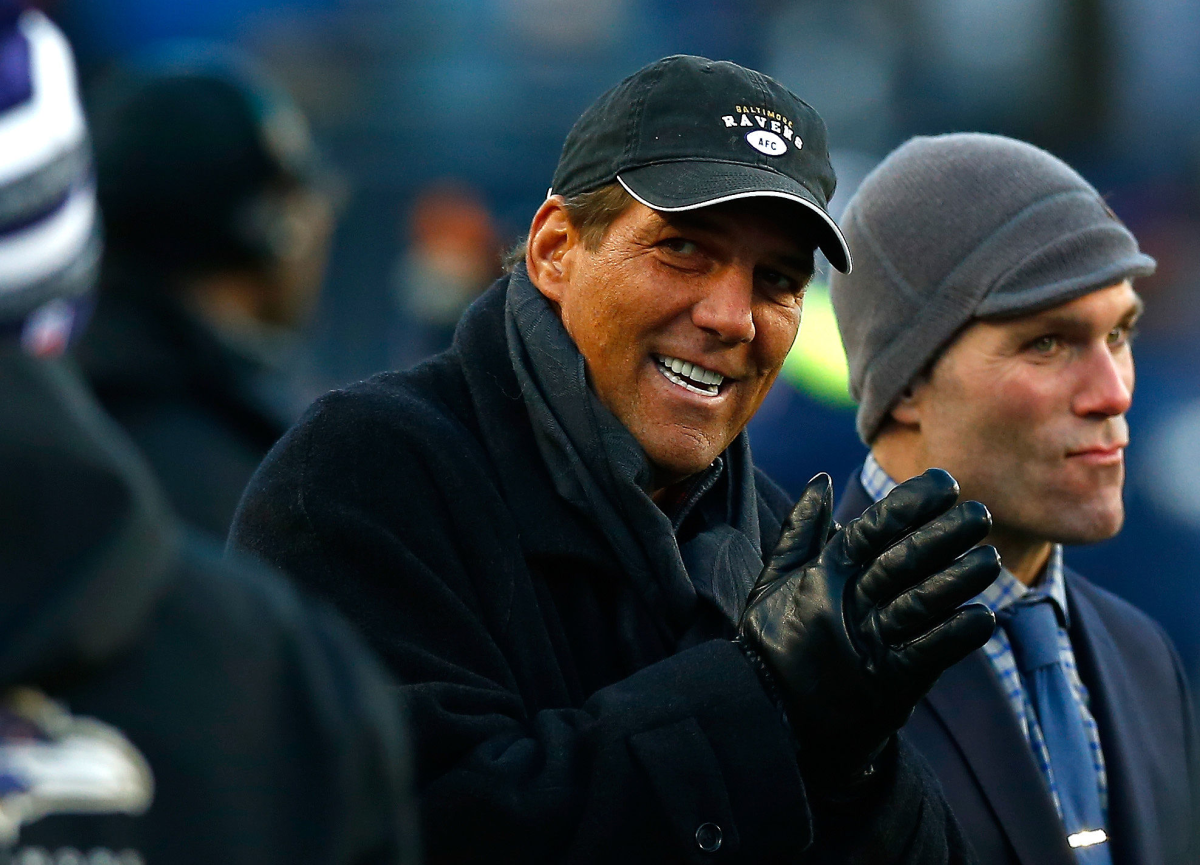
(553, 531)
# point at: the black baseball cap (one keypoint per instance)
(687, 132)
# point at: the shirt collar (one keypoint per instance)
(877, 482)
(1007, 589)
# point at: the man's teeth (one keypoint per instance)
(690, 375)
(693, 371)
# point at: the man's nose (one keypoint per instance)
(725, 308)
(1107, 386)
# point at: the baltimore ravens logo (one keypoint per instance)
(52, 762)
(769, 132)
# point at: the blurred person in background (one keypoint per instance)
(620, 642)
(452, 254)
(157, 704)
(217, 226)
(988, 326)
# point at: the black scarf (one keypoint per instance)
(695, 567)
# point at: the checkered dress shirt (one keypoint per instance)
(1001, 594)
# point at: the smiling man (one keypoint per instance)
(616, 643)
(685, 318)
(988, 327)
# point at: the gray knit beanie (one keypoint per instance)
(957, 227)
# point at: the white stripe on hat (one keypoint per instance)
(52, 121)
(42, 249)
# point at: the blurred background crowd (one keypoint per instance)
(300, 193)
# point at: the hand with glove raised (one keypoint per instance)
(855, 624)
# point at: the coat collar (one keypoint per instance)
(548, 526)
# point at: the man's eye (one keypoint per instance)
(779, 283)
(1120, 336)
(680, 245)
(1045, 344)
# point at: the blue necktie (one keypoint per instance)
(1032, 629)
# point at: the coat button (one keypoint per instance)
(708, 837)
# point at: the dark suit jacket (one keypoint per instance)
(1139, 698)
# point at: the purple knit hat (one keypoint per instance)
(49, 226)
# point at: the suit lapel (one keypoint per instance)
(970, 703)
(1130, 816)
(854, 499)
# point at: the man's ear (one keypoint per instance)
(548, 253)
(907, 410)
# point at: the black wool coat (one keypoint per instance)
(550, 722)
(269, 734)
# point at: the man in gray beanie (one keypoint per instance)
(987, 325)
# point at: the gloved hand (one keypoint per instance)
(856, 624)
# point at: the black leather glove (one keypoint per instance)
(856, 627)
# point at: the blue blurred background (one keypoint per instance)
(444, 121)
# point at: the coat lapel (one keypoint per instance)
(970, 703)
(1111, 685)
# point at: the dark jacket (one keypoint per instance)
(199, 411)
(1140, 700)
(550, 722)
(252, 722)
